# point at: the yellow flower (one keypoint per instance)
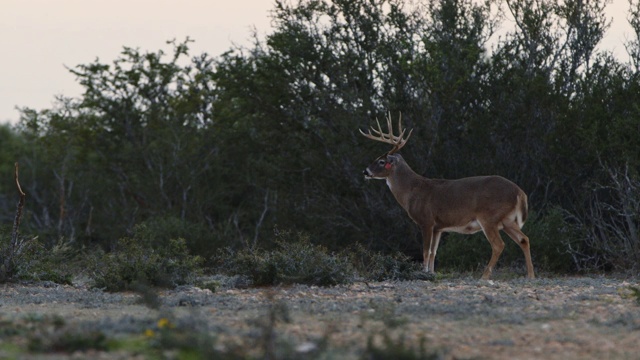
(149, 333)
(165, 323)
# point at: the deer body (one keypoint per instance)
(467, 205)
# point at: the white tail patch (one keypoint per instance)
(519, 217)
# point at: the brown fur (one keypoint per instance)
(467, 205)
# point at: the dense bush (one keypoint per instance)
(376, 266)
(198, 238)
(294, 260)
(134, 261)
(552, 237)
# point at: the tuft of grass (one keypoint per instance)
(70, 341)
(634, 292)
(399, 349)
(385, 312)
(278, 312)
(148, 295)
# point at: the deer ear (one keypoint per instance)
(391, 159)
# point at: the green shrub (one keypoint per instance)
(69, 341)
(15, 258)
(634, 292)
(463, 253)
(376, 266)
(294, 260)
(199, 237)
(29, 260)
(552, 238)
(136, 261)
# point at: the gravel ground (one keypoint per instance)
(459, 318)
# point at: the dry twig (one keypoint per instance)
(16, 221)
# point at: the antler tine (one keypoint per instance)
(397, 141)
(403, 141)
(380, 135)
(369, 135)
(379, 131)
(390, 126)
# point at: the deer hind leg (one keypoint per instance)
(497, 245)
(513, 230)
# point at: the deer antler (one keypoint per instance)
(389, 138)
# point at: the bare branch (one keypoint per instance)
(18, 218)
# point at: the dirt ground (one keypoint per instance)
(458, 318)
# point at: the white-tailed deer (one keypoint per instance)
(466, 206)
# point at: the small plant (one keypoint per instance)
(630, 292)
(187, 339)
(135, 262)
(16, 256)
(385, 312)
(268, 341)
(397, 349)
(636, 293)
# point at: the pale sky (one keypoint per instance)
(40, 37)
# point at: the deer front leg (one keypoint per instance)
(433, 249)
(427, 239)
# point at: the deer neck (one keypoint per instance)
(401, 181)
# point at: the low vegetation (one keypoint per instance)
(296, 260)
(140, 259)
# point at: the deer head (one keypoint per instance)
(384, 165)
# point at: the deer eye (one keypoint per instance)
(381, 162)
